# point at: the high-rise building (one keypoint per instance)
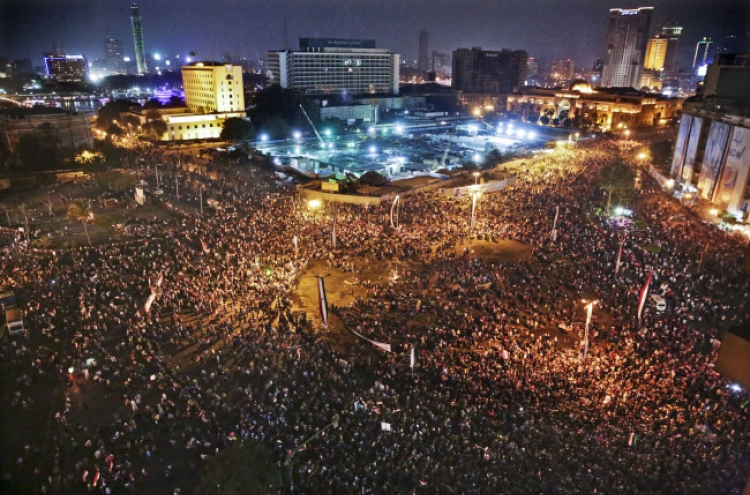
(326, 66)
(672, 35)
(702, 52)
(656, 53)
(113, 54)
(140, 51)
(626, 47)
(424, 41)
(562, 70)
(440, 62)
(212, 87)
(71, 68)
(492, 72)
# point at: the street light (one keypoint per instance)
(627, 133)
(314, 205)
(476, 177)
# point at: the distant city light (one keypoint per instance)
(327, 132)
(264, 137)
(373, 149)
(476, 157)
(399, 129)
(126, 59)
(532, 135)
(297, 135)
(371, 130)
(157, 56)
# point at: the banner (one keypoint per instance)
(140, 198)
(486, 188)
(692, 149)
(554, 224)
(395, 205)
(643, 295)
(333, 229)
(379, 345)
(322, 301)
(730, 190)
(679, 147)
(713, 158)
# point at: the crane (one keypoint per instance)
(312, 125)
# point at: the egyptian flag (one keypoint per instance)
(554, 224)
(205, 246)
(644, 294)
(619, 257)
(322, 301)
(333, 229)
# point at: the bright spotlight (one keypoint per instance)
(264, 137)
(371, 130)
(399, 129)
(476, 157)
(297, 135)
(373, 149)
(532, 135)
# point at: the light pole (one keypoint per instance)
(314, 205)
(476, 178)
(290, 457)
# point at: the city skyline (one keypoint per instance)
(250, 28)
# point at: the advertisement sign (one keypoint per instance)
(679, 147)
(731, 187)
(692, 148)
(713, 158)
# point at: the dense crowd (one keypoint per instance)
(499, 399)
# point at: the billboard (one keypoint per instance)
(730, 190)
(679, 147)
(692, 148)
(713, 158)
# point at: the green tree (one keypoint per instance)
(242, 470)
(155, 129)
(110, 112)
(618, 180)
(237, 129)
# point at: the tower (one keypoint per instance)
(140, 51)
(424, 41)
(656, 53)
(626, 47)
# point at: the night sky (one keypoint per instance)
(551, 28)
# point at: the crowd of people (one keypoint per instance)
(486, 389)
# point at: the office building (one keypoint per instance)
(214, 92)
(113, 54)
(702, 53)
(424, 40)
(140, 51)
(656, 53)
(66, 68)
(672, 34)
(490, 72)
(325, 66)
(440, 63)
(626, 47)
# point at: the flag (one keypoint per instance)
(394, 206)
(413, 358)
(333, 229)
(619, 257)
(554, 224)
(149, 302)
(296, 247)
(322, 301)
(205, 246)
(631, 440)
(644, 294)
(379, 345)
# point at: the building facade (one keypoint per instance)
(335, 66)
(702, 54)
(491, 72)
(627, 39)
(672, 34)
(656, 53)
(72, 130)
(114, 55)
(136, 23)
(711, 147)
(603, 108)
(66, 68)
(214, 92)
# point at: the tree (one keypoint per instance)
(155, 129)
(246, 469)
(237, 129)
(618, 180)
(544, 120)
(111, 112)
(114, 131)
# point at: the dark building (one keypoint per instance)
(672, 34)
(424, 41)
(140, 51)
(491, 72)
(114, 56)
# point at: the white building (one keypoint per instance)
(335, 66)
(213, 93)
